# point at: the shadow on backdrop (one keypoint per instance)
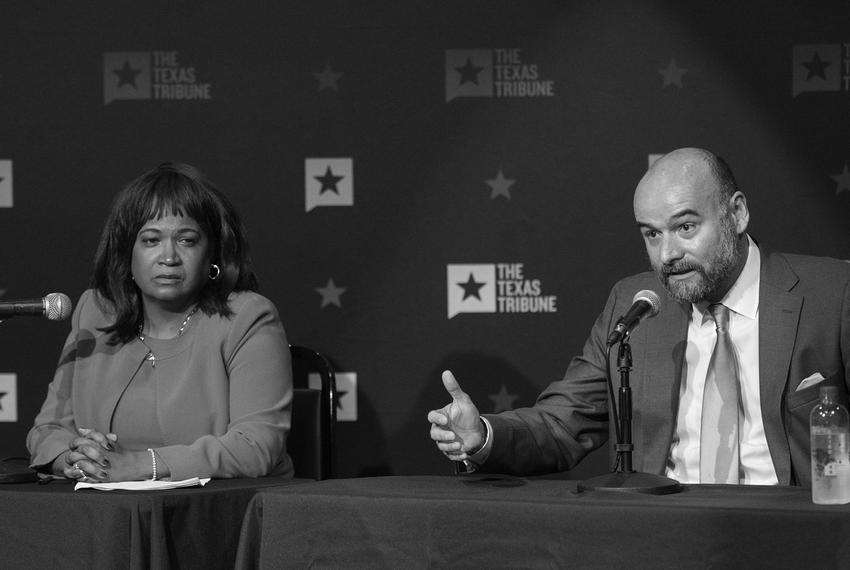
(493, 384)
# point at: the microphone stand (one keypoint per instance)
(624, 478)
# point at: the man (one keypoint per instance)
(788, 334)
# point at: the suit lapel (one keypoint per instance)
(657, 393)
(779, 314)
(660, 359)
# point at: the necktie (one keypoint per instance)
(720, 408)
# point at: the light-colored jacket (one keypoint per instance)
(224, 390)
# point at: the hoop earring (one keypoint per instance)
(215, 271)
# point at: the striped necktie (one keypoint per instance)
(721, 408)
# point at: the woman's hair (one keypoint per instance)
(176, 189)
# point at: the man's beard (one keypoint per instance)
(708, 277)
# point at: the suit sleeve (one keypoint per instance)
(568, 420)
(260, 388)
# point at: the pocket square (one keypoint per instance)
(815, 378)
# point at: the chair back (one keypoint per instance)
(311, 437)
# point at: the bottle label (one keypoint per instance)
(830, 453)
(835, 469)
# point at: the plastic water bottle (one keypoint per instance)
(830, 429)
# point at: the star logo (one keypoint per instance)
(328, 182)
(327, 78)
(500, 186)
(5, 183)
(8, 398)
(471, 288)
(126, 75)
(346, 389)
(469, 73)
(842, 181)
(503, 401)
(651, 158)
(340, 394)
(815, 68)
(672, 74)
(330, 294)
(346, 393)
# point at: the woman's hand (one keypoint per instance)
(98, 457)
(107, 441)
(87, 456)
(65, 466)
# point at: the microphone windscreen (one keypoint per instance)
(57, 306)
(650, 297)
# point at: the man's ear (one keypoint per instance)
(738, 208)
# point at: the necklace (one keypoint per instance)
(150, 356)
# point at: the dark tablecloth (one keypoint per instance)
(493, 522)
(53, 526)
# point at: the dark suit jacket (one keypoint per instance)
(804, 328)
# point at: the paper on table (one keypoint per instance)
(143, 485)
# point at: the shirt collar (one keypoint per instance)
(743, 297)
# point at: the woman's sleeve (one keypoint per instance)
(260, 383)
(54, 428)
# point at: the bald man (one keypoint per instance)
(788, 324)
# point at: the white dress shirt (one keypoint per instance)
(743, 303)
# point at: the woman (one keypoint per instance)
(174, 367)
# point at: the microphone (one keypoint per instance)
(645, 304)
(54, 307)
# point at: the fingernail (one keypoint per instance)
(84, 431)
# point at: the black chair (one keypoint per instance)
(311, 437)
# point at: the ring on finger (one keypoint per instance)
(79, 469)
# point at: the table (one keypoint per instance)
(53, 526)
(504, 522)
